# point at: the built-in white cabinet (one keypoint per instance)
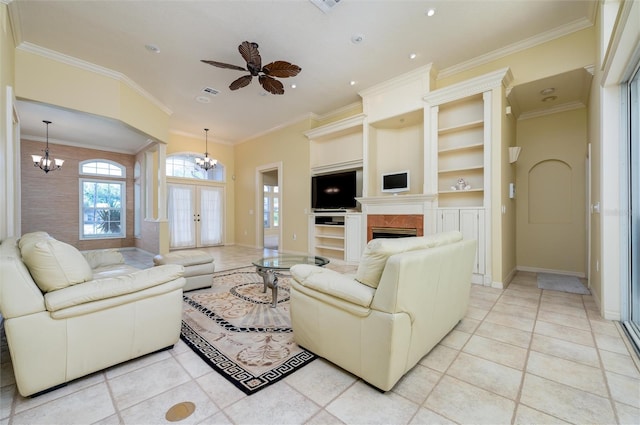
(471, 223)
(336, 235)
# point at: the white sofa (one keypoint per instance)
(407, 294)
(67, 315)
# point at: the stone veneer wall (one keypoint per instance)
(50, 201)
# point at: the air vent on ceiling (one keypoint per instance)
(325, 5)
(210, 91)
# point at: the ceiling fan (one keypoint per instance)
(265, 74)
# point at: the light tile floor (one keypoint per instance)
(521, 355)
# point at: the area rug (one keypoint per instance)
(234, 329)
(563, 283)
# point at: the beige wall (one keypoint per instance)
(290, 147)
(563, 54)
(51, 201)
(551, 190)
(509, 232)
(49, 81)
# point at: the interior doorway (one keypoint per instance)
(268, 188)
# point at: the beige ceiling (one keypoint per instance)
(113, 35)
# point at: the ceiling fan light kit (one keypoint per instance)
(266, 74)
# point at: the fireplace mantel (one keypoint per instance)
(402, 205)
(397, 204)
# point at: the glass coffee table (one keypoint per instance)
(268, 268)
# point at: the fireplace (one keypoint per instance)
(392, 232)
(394, 225)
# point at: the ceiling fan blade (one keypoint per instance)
(249, 52)
(281, 69)
(241, 82)
(224, 65)
(271, 85)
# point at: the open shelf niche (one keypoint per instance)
(396, 144)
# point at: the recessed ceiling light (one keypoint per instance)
(352, 83)
(203, 99)
(152, 48)
(293, 86)
(430, 12)
(547, 91)
(549, 98)
(412, 56)
(357, 38)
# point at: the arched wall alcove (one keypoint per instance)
(550, 197)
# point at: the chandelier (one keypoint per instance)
(206, 163)
(46, 163)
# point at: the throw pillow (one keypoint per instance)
(55, 265)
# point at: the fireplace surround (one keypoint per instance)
(394, 225)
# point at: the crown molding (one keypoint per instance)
(199, 136)
(501, 77)
(300, 118)
(331, 128)
(61, 142)
(338, 111)
(425, 71)
(91, 67)
(528, 43)
(569, 106)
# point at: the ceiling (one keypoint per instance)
(113, 35)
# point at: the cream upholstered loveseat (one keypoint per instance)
(68, 314)
(407, 294)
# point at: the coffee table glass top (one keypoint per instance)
(285, 261)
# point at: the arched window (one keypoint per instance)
(102, 167)
(102, 199)
(184, 165)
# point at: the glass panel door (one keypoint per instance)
(210, 216)
(196, 216)
(182, 216)
(632, 323)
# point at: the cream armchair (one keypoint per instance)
(67, 315)
(407, 295)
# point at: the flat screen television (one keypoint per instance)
(396, 182)
(336, 191)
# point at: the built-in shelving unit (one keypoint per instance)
(460, 147)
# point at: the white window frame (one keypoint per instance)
(111, 164)
(106, 178)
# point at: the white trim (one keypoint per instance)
(122, 168)
(528, 43)
(87, 66)
(198, 136)
(569, 106)
(306, 116)
(258, 213)
(123, 208)
(398, 81)
(343, 124)
(553, 271)
(470, 87)
(338, 111)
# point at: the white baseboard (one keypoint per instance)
(541, 270)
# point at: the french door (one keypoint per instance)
(195, 215)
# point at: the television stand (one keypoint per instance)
(336, 234)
